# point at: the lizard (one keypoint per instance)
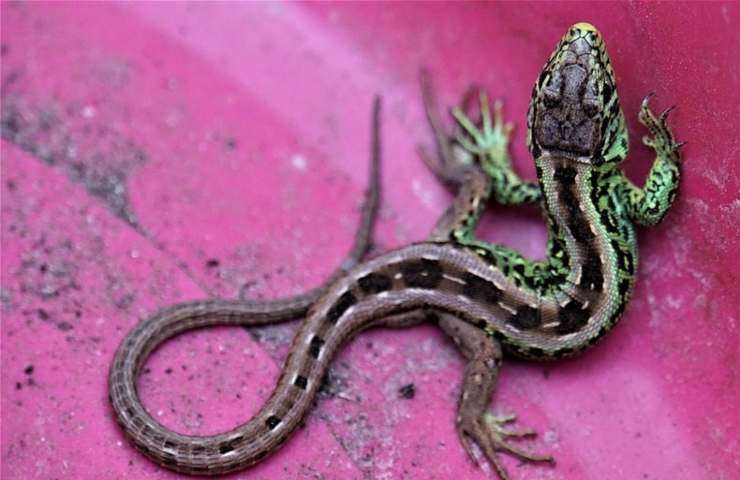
(488, 297)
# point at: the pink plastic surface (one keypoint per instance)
(157, 152)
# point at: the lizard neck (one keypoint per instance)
(573, 225)
(594, 243)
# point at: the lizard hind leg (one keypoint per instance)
(474, 423)
(453, 161)
(456, 167)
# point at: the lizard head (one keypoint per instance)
(574, 111)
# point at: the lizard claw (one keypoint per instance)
(646, 100)
(488, 432)
(665, 113)
(661, 137)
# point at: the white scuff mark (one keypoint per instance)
(89, 111)
(299, 162)
(673, 302)
(425, 195)
(725, 15)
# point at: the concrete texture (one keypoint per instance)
(154, 153)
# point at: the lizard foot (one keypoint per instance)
(661, 137)
(453, 160)
(491, 141)
(490, 433)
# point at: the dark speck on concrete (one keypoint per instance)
(168, 371)
(65, 326)
(212, 263)
(231, 144)
(408, 391)
(28, 370)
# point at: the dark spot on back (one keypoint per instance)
(345, 301)
(300, 382)
(568, 200)
(374, 283)
(526, 318)
(225, 448)
(624, 288)
(608, 220)
(314, 347)
(625, 260)
(565, 175)
(481, 324)
(477, 288)
(421, 273)
(572, 318)
(579, 228)
(592, 277)
(608, 91)
(535, 352)
(536, 150)
(563, 352)
(272, 422)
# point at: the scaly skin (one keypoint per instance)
(484, 296)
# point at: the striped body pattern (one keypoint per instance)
(543, 310)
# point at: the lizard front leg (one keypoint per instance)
(475, 424)
(479, 168)
(493, 175)
(490, 143)
(647, 206)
